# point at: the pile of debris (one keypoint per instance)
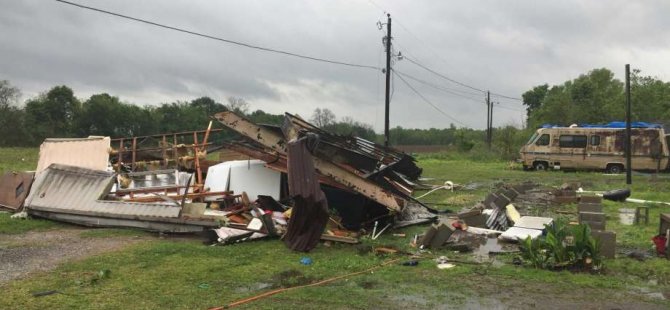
(298, 182)
(497, 215)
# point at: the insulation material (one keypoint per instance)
(518, 233)
(90, 153)
(533, 222)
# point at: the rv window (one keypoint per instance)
(572, 141)
(532, 138)
(543, 140)
(595, 140)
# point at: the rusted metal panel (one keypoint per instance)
(74, 190)
(245, 127)
(277, 143)
(91, 152)
(14, 188)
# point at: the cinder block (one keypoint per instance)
(565, 199)
(591, 199)
(501, 201)
(428, 236)
(607, 241)
(595, 226)
(510, 194)
(590, 207)
(443, 233)
(490, 198)
(592, 216)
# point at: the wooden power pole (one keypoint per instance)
(629, 149)
(388, 81)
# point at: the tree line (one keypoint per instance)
(598, 97)
(594, 97)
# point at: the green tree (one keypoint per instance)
(13, 131)
(533, 98)
(53, 114)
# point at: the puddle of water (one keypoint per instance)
(489, 245)
(253, 287)
(411, 299)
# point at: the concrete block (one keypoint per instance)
(510, 194)
(592, 216)
(443, 233)
(607, 241)
(501, 201)
(590, 207)
(565, 199)
(490, 198)
(595, 226)
(591, 199)
(428, 236)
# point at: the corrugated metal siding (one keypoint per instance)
(68, 189)
(91, 153)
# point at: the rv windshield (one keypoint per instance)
(532, 138)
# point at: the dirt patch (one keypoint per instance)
(36, 251)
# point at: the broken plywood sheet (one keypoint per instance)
(14, 187)
(91, 153)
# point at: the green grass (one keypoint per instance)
(18, 159)
(164, 273)
(19, 226)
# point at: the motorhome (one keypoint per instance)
(596, 147)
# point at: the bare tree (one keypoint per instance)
(322, 117)
(238, 105)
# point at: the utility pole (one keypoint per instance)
(488, 119)
(629, 150)
(388, 80)
(491, 124)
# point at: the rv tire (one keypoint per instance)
(540, 165)
(615, 168)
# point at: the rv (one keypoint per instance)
(596, 147)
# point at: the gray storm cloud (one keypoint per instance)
(505, 46)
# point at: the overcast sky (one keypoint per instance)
(504, 46)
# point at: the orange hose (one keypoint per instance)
(270, 293)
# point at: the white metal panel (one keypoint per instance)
(252, 177)
(91, 153)
(217, 179)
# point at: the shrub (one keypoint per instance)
(564, 246)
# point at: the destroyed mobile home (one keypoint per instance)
(296, 176)
(296, 182)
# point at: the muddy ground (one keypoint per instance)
(35, 251)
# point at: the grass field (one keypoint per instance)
(178, 273)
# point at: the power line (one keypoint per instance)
(444, 89)
(457, 82)
(266, 49)
(440, 57)
(428, 101)
(443, 76)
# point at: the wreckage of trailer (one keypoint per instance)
(296, 181)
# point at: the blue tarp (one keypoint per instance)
(611, 125)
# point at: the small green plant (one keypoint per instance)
(563, 246)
